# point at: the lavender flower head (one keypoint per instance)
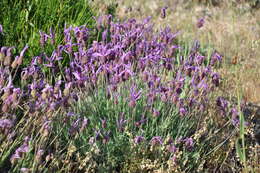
(183, 111)
(216, 57)
(156, 140)
(235, 118)
(138, 139)
(20, 151)
(200, 22)
(189, 143)
(172, 149)
(134, 96)
(1, 29)
(121, 123)
(5, 124)
(222, 105)
(163, 12)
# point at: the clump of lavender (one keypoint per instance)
(128, 54)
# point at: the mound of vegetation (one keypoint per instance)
(114, 97)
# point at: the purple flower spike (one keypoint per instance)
(85, 122)
(189, 142)
(134, 96)
(216, 57)
(156, 140)
(20, 151)
(39, 154)
(172, 149)
(222, 105)
(20, 58)
(15, 157)
(235, 118)
(1, 29)
(5, 124)
(215, 79)
(52, 36)
(183, 111)
(104, 35)
(200, 22)
(163, 12)
(138, 139)
(121, 123)
(43, 38)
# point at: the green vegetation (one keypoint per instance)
(22, 20)
(120, 96)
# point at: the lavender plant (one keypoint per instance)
(95, 106)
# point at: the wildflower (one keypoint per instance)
(235, 119)
(67, 89)
(222, 105)
(7, 60)
(97, 135)
(200, 22)
(106, 137)
(199, 59)
(183, 111)
(121, 123)
(164, 97)
(20, 58)
(24, 148)
(84, 124)
(6, 124)
(178, 90)
(189, 142)
(138, 139)
(216, 57)
(2, 53)
(191, 102)
(43, 38)
(215, 79)
(156, 140)
(52, 36)
(39, 154)
(163, 12)
(74, 127)
(172, 148)
(46, 128)
(104, 35)
(151, 97)
(175, 98)
(134, 96)
(1, 29)
(169, 141)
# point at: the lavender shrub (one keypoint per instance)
(132, 88)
